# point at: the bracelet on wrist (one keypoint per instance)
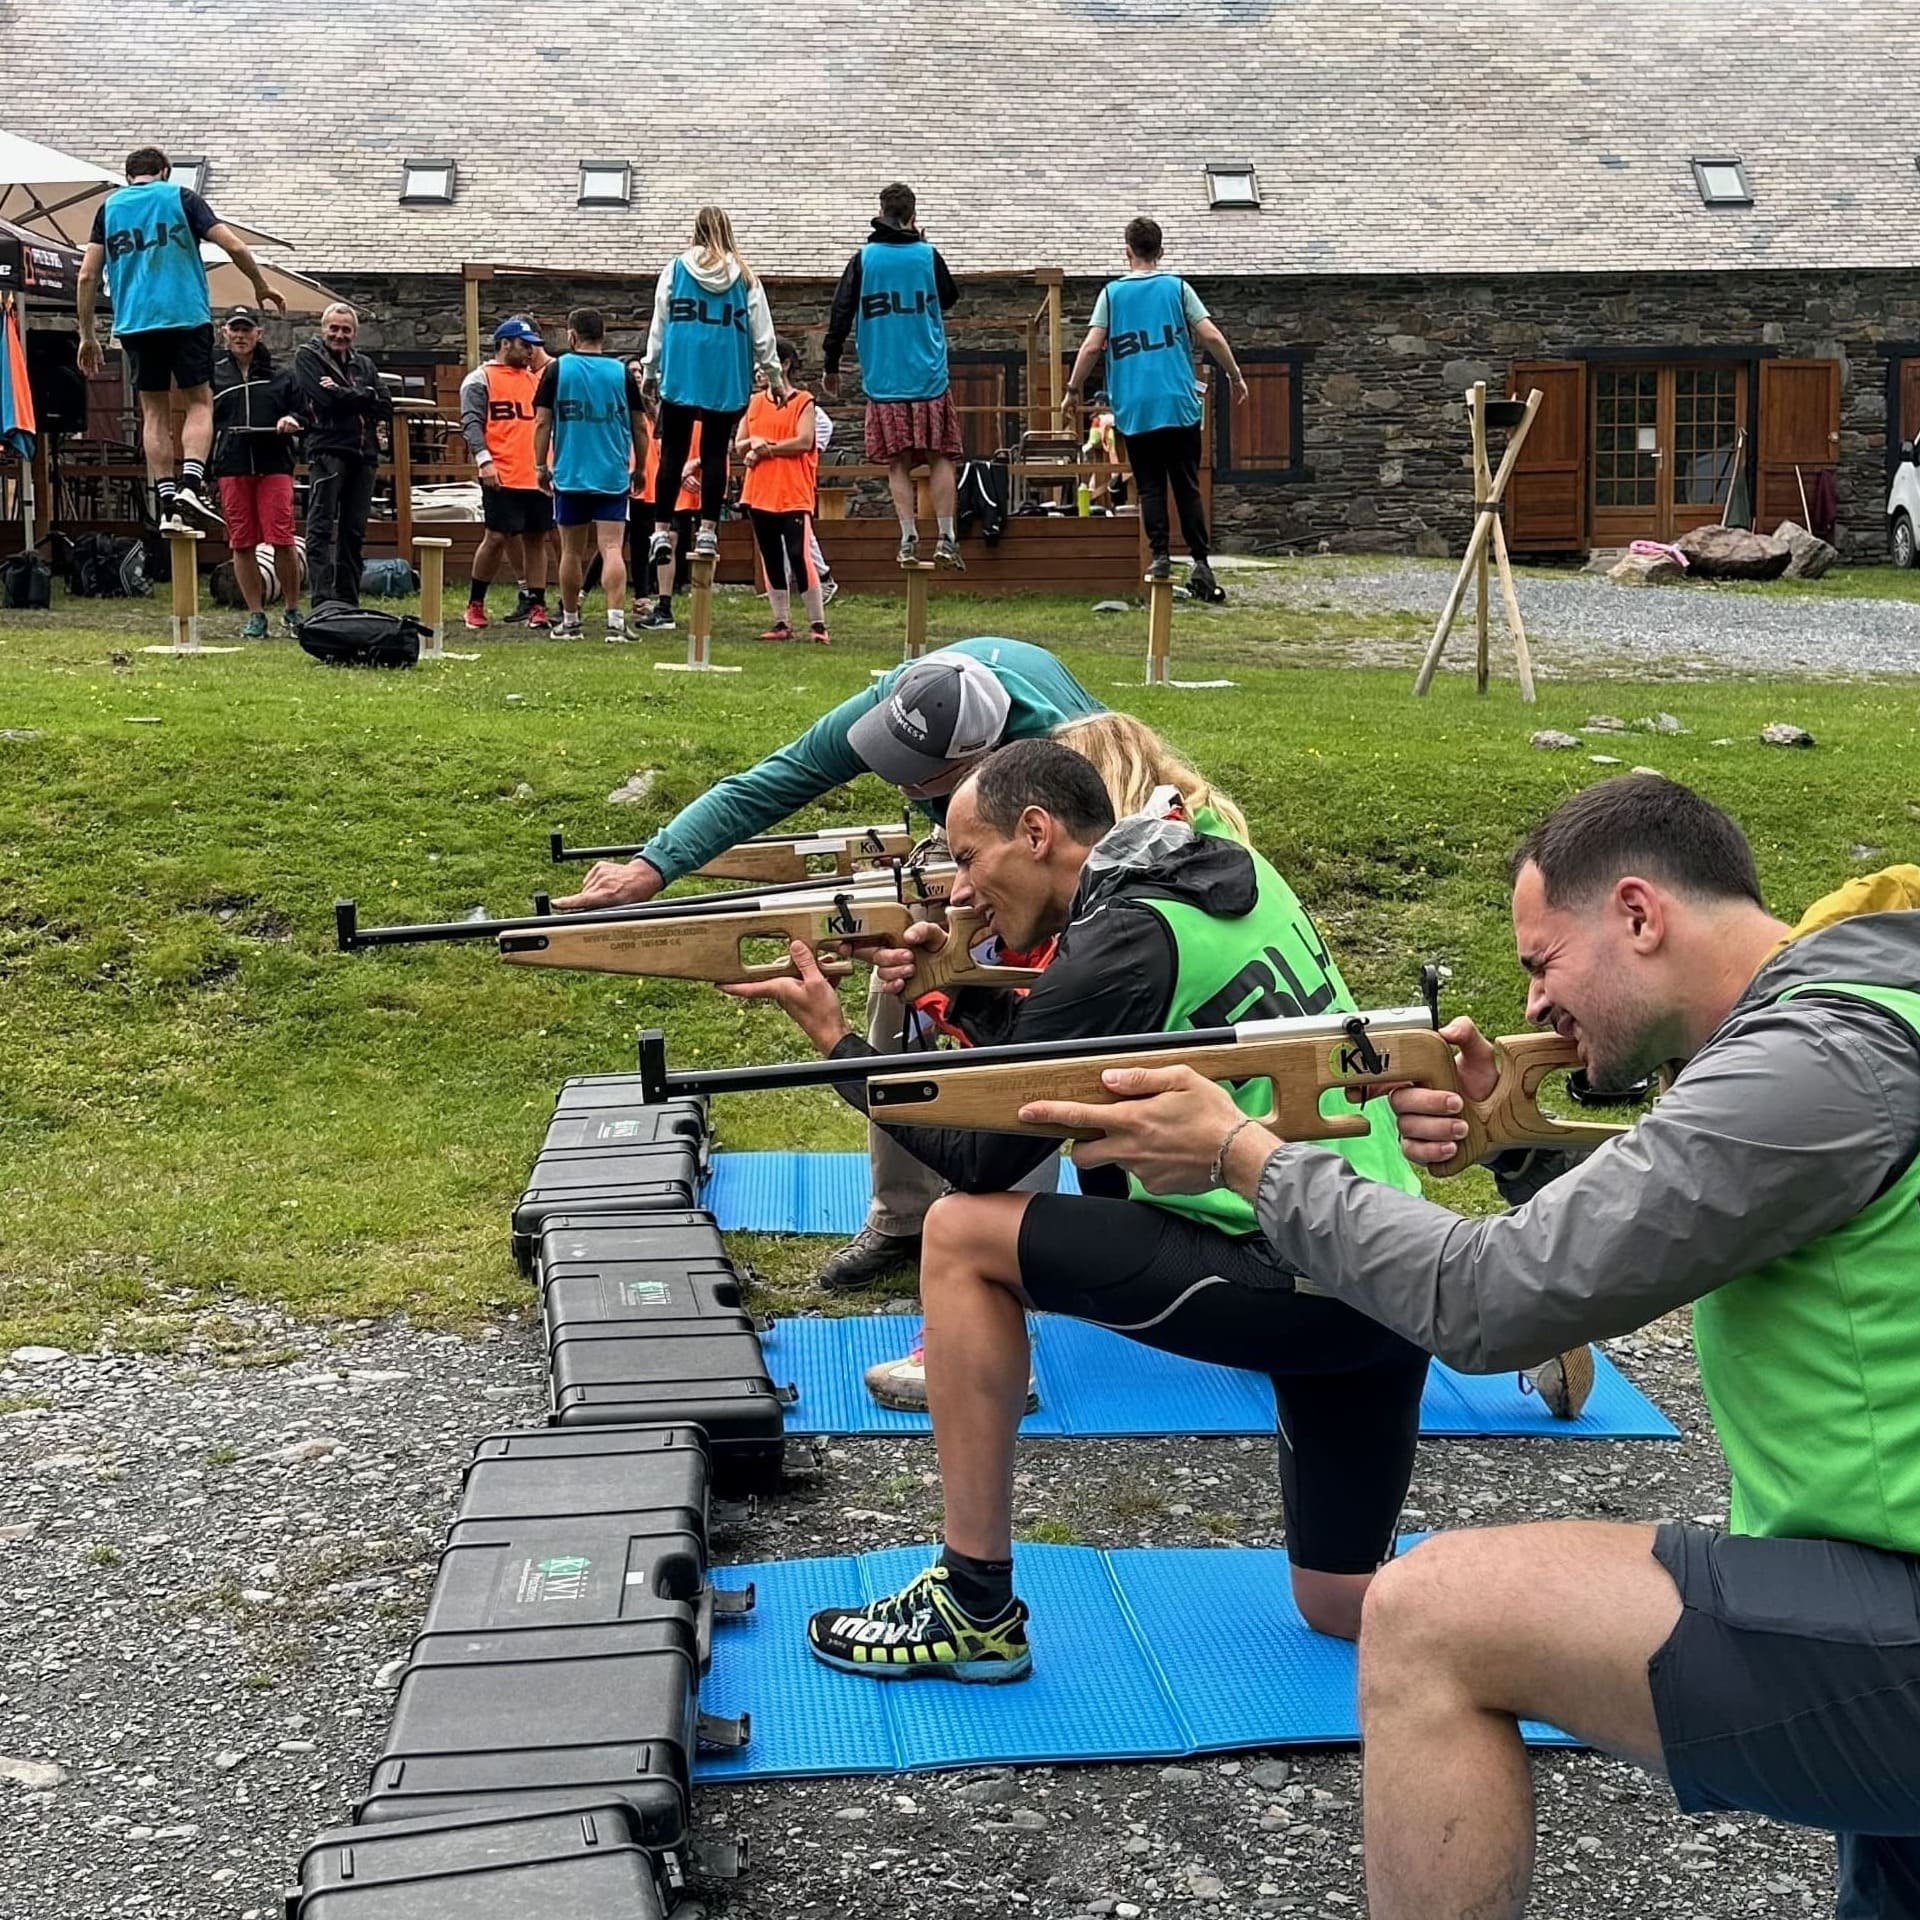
(1217, 1173)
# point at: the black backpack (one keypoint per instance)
(344, 636)
(26, 583)
(103, 567)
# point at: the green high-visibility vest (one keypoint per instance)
(1266, 965)
(1811, 1366)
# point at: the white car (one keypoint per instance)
(1903, 507)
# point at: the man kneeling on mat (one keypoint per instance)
(1775, 1667)
(1162, 925)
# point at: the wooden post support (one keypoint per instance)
(1482, 480)
(1159, 631)
(699, 624)
(1486, 520)
(916, 572)
(433, 577)
(184, 565)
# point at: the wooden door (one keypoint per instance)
(1546, 495)
(1799, 428)
(1704, 408)
(1666, 445)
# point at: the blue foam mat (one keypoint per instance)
(824, 1193)
(1098, 1385)
(1119, 1671)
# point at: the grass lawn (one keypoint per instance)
(202, 1099)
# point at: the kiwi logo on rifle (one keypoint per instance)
(843, 921)
(871, 842)
(1360, 1062)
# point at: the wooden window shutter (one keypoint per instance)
(1547, 494)
(981, 384)
(1909, 422)
(1799, 428)
(1259, 436)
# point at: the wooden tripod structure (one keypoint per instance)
(1489, 535)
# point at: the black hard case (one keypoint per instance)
(663, 1176)
(461, 1843)
(617, 1884)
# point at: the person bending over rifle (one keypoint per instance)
(1162, 925)
(1772, 1667)
(919, 727)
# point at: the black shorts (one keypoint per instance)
(169, 357)
(516, 510)
(1347, 1391)
(1791, 1687)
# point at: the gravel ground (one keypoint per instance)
(209, 1561)
(1579, 621)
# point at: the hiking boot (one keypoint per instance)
(291, 621)
(901, 1385)
(780, 632)
(201, 515)
(539, 620)
(660, 547)
(1161, 568)
(946, 553)
(1564, 1382)
(706, 542)
(909, 549)
(819, 635)
(1203, 586)
(657, 619)
(256, 627)
(921, 1633)
(869, 1257)
(829, 586)
(522, 608)
(569, 627)
(475, 618)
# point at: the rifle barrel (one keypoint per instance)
(658, 1083)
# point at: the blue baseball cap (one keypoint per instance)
(519, 329)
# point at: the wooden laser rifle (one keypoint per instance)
(1357, 1055)
(711, 946)
(826, 853)
(924, 887)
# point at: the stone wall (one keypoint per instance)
(1387, 359)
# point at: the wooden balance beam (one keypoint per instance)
(1160, 640)
(432, 554)
(184, 565)
(699, 624)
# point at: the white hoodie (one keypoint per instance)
(716, 277)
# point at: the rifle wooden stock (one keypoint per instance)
(1300, 1071)
(710, 946)
(788, 857)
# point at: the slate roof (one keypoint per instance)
(1390, 136)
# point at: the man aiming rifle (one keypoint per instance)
(1161, 925)
(1774, 1667)
(919, 727)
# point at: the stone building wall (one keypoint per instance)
(1386, 360)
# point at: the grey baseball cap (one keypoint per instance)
(942, 713)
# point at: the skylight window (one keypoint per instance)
(427, 183)
(1722, 183)
(191, 174)
(606, 183)
(1232, 186)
